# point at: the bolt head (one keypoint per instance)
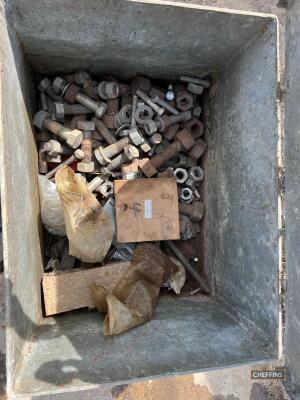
(79, 154)
(74, 138)
(186, 139)
(53, 148)
(101, 90)
(150, 127)
(59, 110)
(39, 118)
(44, 84)
(135, 136)
(148, 169)
(99, 156)
(58, 84)
(131, 152)
(86, 125)
(156, 138)
(145, 147)
(86, 167)
(101, 110)
(109, 121)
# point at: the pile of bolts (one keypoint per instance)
(112, 130)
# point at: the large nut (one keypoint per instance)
(135, 136)
(185, 138)
(58, 85)
(196, 173)
(181, 175)
(75, 138)
(194, 88)
(131, 152)
(184, 100)
(195, 126)
(198, 149)
(186, 195)
(44, 84)
(86, 125)
(86, 167)
(143, 114)
(150, 127)
(39, 118)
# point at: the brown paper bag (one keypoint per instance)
(132, 301)
(89, 228)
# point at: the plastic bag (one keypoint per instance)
(52, 212)
(89, 228)
(132, 301)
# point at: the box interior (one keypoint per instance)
(239, 239)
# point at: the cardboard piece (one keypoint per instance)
(146, 210)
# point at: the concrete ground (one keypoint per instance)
(224, 384)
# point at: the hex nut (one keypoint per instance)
(186, 195)
(136, 136)
(195, 126)
(44, 84)
(58, 85)
(75, 138)
(194, 88)
(86, 125)
(39, 118)
(196, 173)
(143, 114)
(86, 167)
(100, 156)
(131, 152)
(186, 139)
(197, 150)
(184, 100)
(150, 127)
(181, 175)
(198, 211)
(180, 160)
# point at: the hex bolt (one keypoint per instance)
(197, 150)
(95, 183)
(108, 90)
(72, 94)
(104, 155)
(171, 131)
(184, 100)
(195, 210)
(73, 137)
(181, 175)
(61, 109)
(104, 132)
(198, 81)
(161, 102)
(161, 123)
(112, 109)
(86, 165)
(195, 126)
(130, 153)
(133, 110)
(187, 265)
(156, 139)
(54, 148)
(196, 173)
(186, 195)
(194, 88)
(78, 155)
(45, 86)
(142, 95)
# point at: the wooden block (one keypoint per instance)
(66, 291)
(146, 210)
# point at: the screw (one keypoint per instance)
(104, 155)
(158, 100)
(78, 155)
(184, 100)
(150, 103)
(198, 81)
(195, 210)
(73, 138)
(86, 165)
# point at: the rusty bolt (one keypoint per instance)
(104, 132)
(104, 155)
(133, 110)
(158, 100)
(61, 109)
(171, 131)
(184, 100)
(43, 165)
(130, 153)
(195, 126)
(195, 211)
(78, 155)
(86, 165)
(73, 138)
(186, 195)
(185, 138)
(45, 86)
(124, 89)
(108, 90)
(181, 175)
(198, 81)
(198, 149)
(155, 91)
(53, 148)
(140, 82)
(72, 94)
(196, 173)
(142, 95)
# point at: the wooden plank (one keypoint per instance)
(70, 290)
(146, 210)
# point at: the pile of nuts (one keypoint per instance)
(111, 130)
